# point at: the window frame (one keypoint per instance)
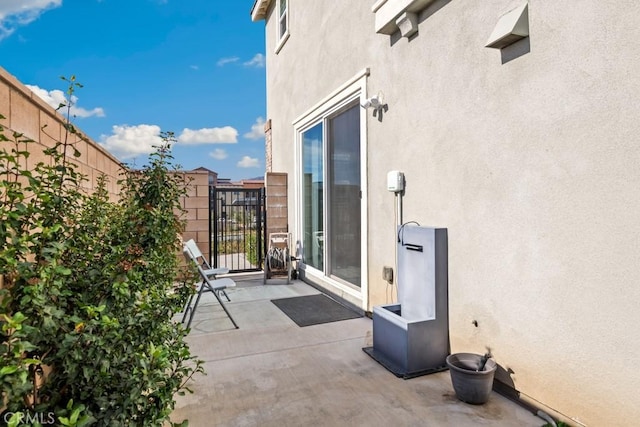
(353, 90)
(281, 39)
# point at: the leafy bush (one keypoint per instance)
(247, 245)
(251, 247)
(89, 288)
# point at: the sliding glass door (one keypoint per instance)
(344, 195)
(332, 234)
(313, 183)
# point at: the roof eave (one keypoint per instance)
(259, 10)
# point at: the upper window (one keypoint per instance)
(282, 17)
(283, 23)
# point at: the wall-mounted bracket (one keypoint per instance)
(407, 24)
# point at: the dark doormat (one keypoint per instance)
(314, 309)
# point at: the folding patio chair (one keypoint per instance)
(199, 258)
(208, 284)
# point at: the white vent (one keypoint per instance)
(511, 27)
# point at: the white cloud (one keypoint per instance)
(57, 97)
(16, 13)
(130, 141)
(248, 162)
(218, 154)
(223, 135)
(257, 130)
(257, 61)
(194, 67)
(224, 61)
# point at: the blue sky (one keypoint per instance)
(192, 67)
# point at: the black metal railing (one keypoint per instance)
(237, 228)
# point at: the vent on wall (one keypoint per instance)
(511, 27)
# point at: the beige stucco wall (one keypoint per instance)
(26, 113)
(533, 166)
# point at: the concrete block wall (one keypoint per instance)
(26, 113)
(268, 144)
(196, 206)
(276, 194)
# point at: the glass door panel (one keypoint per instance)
(344, 194)
(313, 212)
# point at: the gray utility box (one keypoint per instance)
(411, 338)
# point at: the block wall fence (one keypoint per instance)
(196, 206)
(26, 113)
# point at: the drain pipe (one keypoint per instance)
(398, 197)
(398, 223)
(535, 407)
(395, 183)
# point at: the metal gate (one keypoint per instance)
(237, 228)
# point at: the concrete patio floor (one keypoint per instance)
(271, 372)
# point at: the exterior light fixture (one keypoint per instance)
(376, 103)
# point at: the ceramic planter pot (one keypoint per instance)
(470, 384)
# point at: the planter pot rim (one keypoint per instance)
(471, 386)
(453, 363)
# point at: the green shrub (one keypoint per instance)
(247, 245)
(89, 291)
(251, 247)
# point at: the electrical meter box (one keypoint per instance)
(395, 181)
